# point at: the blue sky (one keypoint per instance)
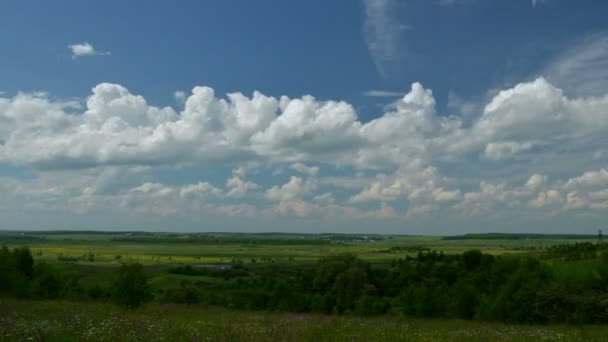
(408, 116)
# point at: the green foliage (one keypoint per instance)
(576, 251)
(530, 288)
(131, 287)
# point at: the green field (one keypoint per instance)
(175, 249)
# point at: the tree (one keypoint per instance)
(131, 287)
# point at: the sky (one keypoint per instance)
(368, 116)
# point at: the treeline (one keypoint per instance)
(517, 236)
(20, 239)
(468, 286)
(223, 240)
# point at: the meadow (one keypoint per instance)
(69, 321)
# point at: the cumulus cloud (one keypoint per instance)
(85, 49)
(415, 184)
(589, 180)
(121, 128)
(586, 191)
(239, 187)
(408, 161)
(506, 149)
(295, 188)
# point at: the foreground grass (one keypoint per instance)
(68, 321)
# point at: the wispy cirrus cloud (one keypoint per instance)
(582, 69)
(85, 49)
(384, 35)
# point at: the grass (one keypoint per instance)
(62, 321)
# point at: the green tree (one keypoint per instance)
(131, 287)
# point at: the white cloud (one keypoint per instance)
(118, 127)
(416, 184)
(308, 129)
(589, 180)
(587, 191)
(410, 157)
(200, 188)
(536, 182)
(85, 49)
(238, 186)
(506, 149)
(326, 198)
(547, 198)
(582, 70)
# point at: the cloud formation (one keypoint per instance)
(532, 149)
